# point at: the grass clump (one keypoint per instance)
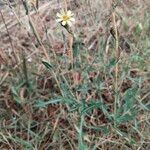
(84, 86)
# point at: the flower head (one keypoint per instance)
(65, 17)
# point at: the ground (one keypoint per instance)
(85, 87)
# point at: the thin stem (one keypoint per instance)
(70, 49)
(117, 54)
(65, 1)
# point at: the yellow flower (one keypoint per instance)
(65, 17)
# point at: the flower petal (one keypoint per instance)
(62, 12)
(58, 20)
(69, 23)
(58, 15)
(69, 13)
(64, 23)
(72, 19)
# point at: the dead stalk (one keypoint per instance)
(10, 40)
(116, 53)
(116, 44)
(70, 48)
(65, 1)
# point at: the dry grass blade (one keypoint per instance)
(91, 90)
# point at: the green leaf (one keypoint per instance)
(15, 95)
(138, 28)
(127, 112)
(47, 65)
(82, 144)
(76, 48)
(26, 144)
(112, 63)
(125, 118)
(75, 107)
(130, 98)
(92, 106)
(44, 104)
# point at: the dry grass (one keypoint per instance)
(97, 100)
